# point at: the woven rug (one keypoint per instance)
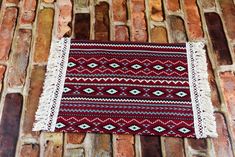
(126, 88)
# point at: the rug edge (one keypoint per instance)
(204, 119)
(49, 101)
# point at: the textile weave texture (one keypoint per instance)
(126, 88)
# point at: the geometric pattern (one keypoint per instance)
(126, 89)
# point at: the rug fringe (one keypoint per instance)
(204, 120)
(49, 102)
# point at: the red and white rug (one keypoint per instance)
(126, 88)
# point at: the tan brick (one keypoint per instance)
(13, 1)
(48, 1)
(17, 70)
(173, 146)
(36, 83)
(193, 21)
(102, 145)
(75, 138)
(156, 12)
(121, 33)
(29, 150)
(2, 71)
(159, 35)
(208, 4)
(119, 10)
(80, 4)
(44, 32)
(72, 152)
(28, 11)
(6, 32)
(173, 5)
(123, 146)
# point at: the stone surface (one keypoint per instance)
(17, 71)
(102, 21)
(44, 32)
(6, 31)
(208, 4)
(119, 10)
(75, 138)
(36, 83)
(10, 122)
(173, 5)
(29, 150)
(173, 146)
(218, 39)
(80, 4)
(155, 7)
(27, 13)
(222, 145)
(193, 20)
(102, 145)
(159, 35)
(121, 33)
(82, 26)
(197, 147)
(2, 71)
(75, 152)
(123, 146)
(151, 146)
(228, 10)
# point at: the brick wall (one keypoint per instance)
(27, 27)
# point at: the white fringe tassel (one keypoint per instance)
(49, 102)
(204, 120)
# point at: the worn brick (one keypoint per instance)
(29, 150)
(138, 21)
(222, 144)
(173, 5)
(74, 152)
(82, 26)
(52, 144)
(75, 138)
(121, 33)
(218, 39)
(158, 35)
(208, 4)
(155, 7)
(12, 1)
(151, 146)
(102, 145)
(193, 20)
(17, 71)
(10, 122)
(119, 10)
(64, 8)
(44, 32)
(48, 1)
(228, 88)
(28, 11)
(6, 31)
(197, 147)
(123, 146)
(36, 83)
(2, 71)
(173, 146)
(80, 4)
(177, 29)
(228, 10)
(102, 21)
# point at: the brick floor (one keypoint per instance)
(27, 27)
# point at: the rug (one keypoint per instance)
(126, 88)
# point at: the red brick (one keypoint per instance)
(123, 146)
(6, 32)
(75, 138)
(102, 21)
(102, 145)
(193, 20)
(28, 11)
(218, 38)
(158, 35)
(10, 122)
(222, 145)
(228, 88)
(177, 29)
(17, 71)
(150, 146)
(65, 17)
(44, 32)
(119, 10)
(173, 5)
(228, 9)
(121, 33)
(36, 83)
(82, 26)
(208, 4)
(173, 146)
(2, 71)
(156, 12)
(29, 150)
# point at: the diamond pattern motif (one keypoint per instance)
(84, 126)
(112, 91)
(135, 92)
(114, 65)
(158, 93)
(184, 130)
(71, 64)
(109, 127)
(181, 94)
(158, 67)
(136, 66)
(159, 129)
(88, 90)
(92, 65)
(66, 89)
(134, 128)
(59, 125)
(180, 68)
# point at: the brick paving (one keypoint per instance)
(27, 27)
